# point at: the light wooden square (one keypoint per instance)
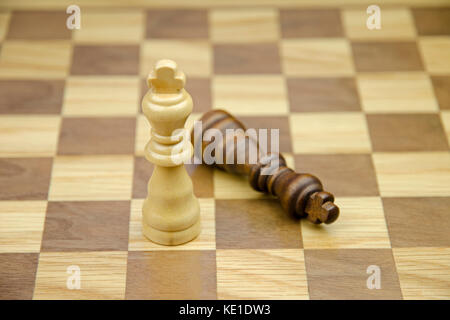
(445, 116)
(396, 92)
(244, 25)
(317, 57)
(35, 59)
(436, 54)
(101, 96)
(91, 178)
(143, 131)
(395, 24)
(360, 225)
(329, 133)
(413, 174)
(250, 95)
(423, 272)
(21, 225)
(4, 22)
(205, 241)
(261, 274)
(231, 186)
(102, 275)
(28, 136)
(192, 56)
(126, 26)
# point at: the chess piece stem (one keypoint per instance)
(300, 194)
(171, 212)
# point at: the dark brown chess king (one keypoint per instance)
(300, 194)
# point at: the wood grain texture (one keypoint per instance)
(362, 225)
(21, 225)
(29, 136)
(347, 278)
(17, 275)
(436, 54)
(261, 274)
(102, 275)
(396, 92)
(156, 275)
(35, 59)
(91, 178)
(423, 272)
(312, 133)
(101, 96)
(414, 174)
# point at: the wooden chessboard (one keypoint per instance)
(366, 111)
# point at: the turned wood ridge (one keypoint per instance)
(300, 194)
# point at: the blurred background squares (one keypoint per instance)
(436, 54)
(317, 57)
(303, 23)
(192, 56)
(105, 60)
(244, 25)
(125, 26)
(396, 24)
(432, 21)
(441, 86)
(38, 25)
(4, 23)
(386, 56)
(177, 24)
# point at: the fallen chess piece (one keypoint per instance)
(300, 194)
(171, 212)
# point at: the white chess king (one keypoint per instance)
(171, 212)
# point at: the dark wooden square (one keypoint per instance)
(38, 25)
(418, 222)
(342, 274)
(323, 94)
(255, 224)
(97, 136)
(406, 132)
(105, 60)
(171, 275)
(344, 175)
(441, 86)
(86, 226)
(386, 56)
(31, 96)
(246, 59)
(25, 178)
(17, 275)
(298, 23)
(432, 21)
(177, 24)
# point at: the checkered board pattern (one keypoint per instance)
(366, 111)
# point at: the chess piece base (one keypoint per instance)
(168, 238)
